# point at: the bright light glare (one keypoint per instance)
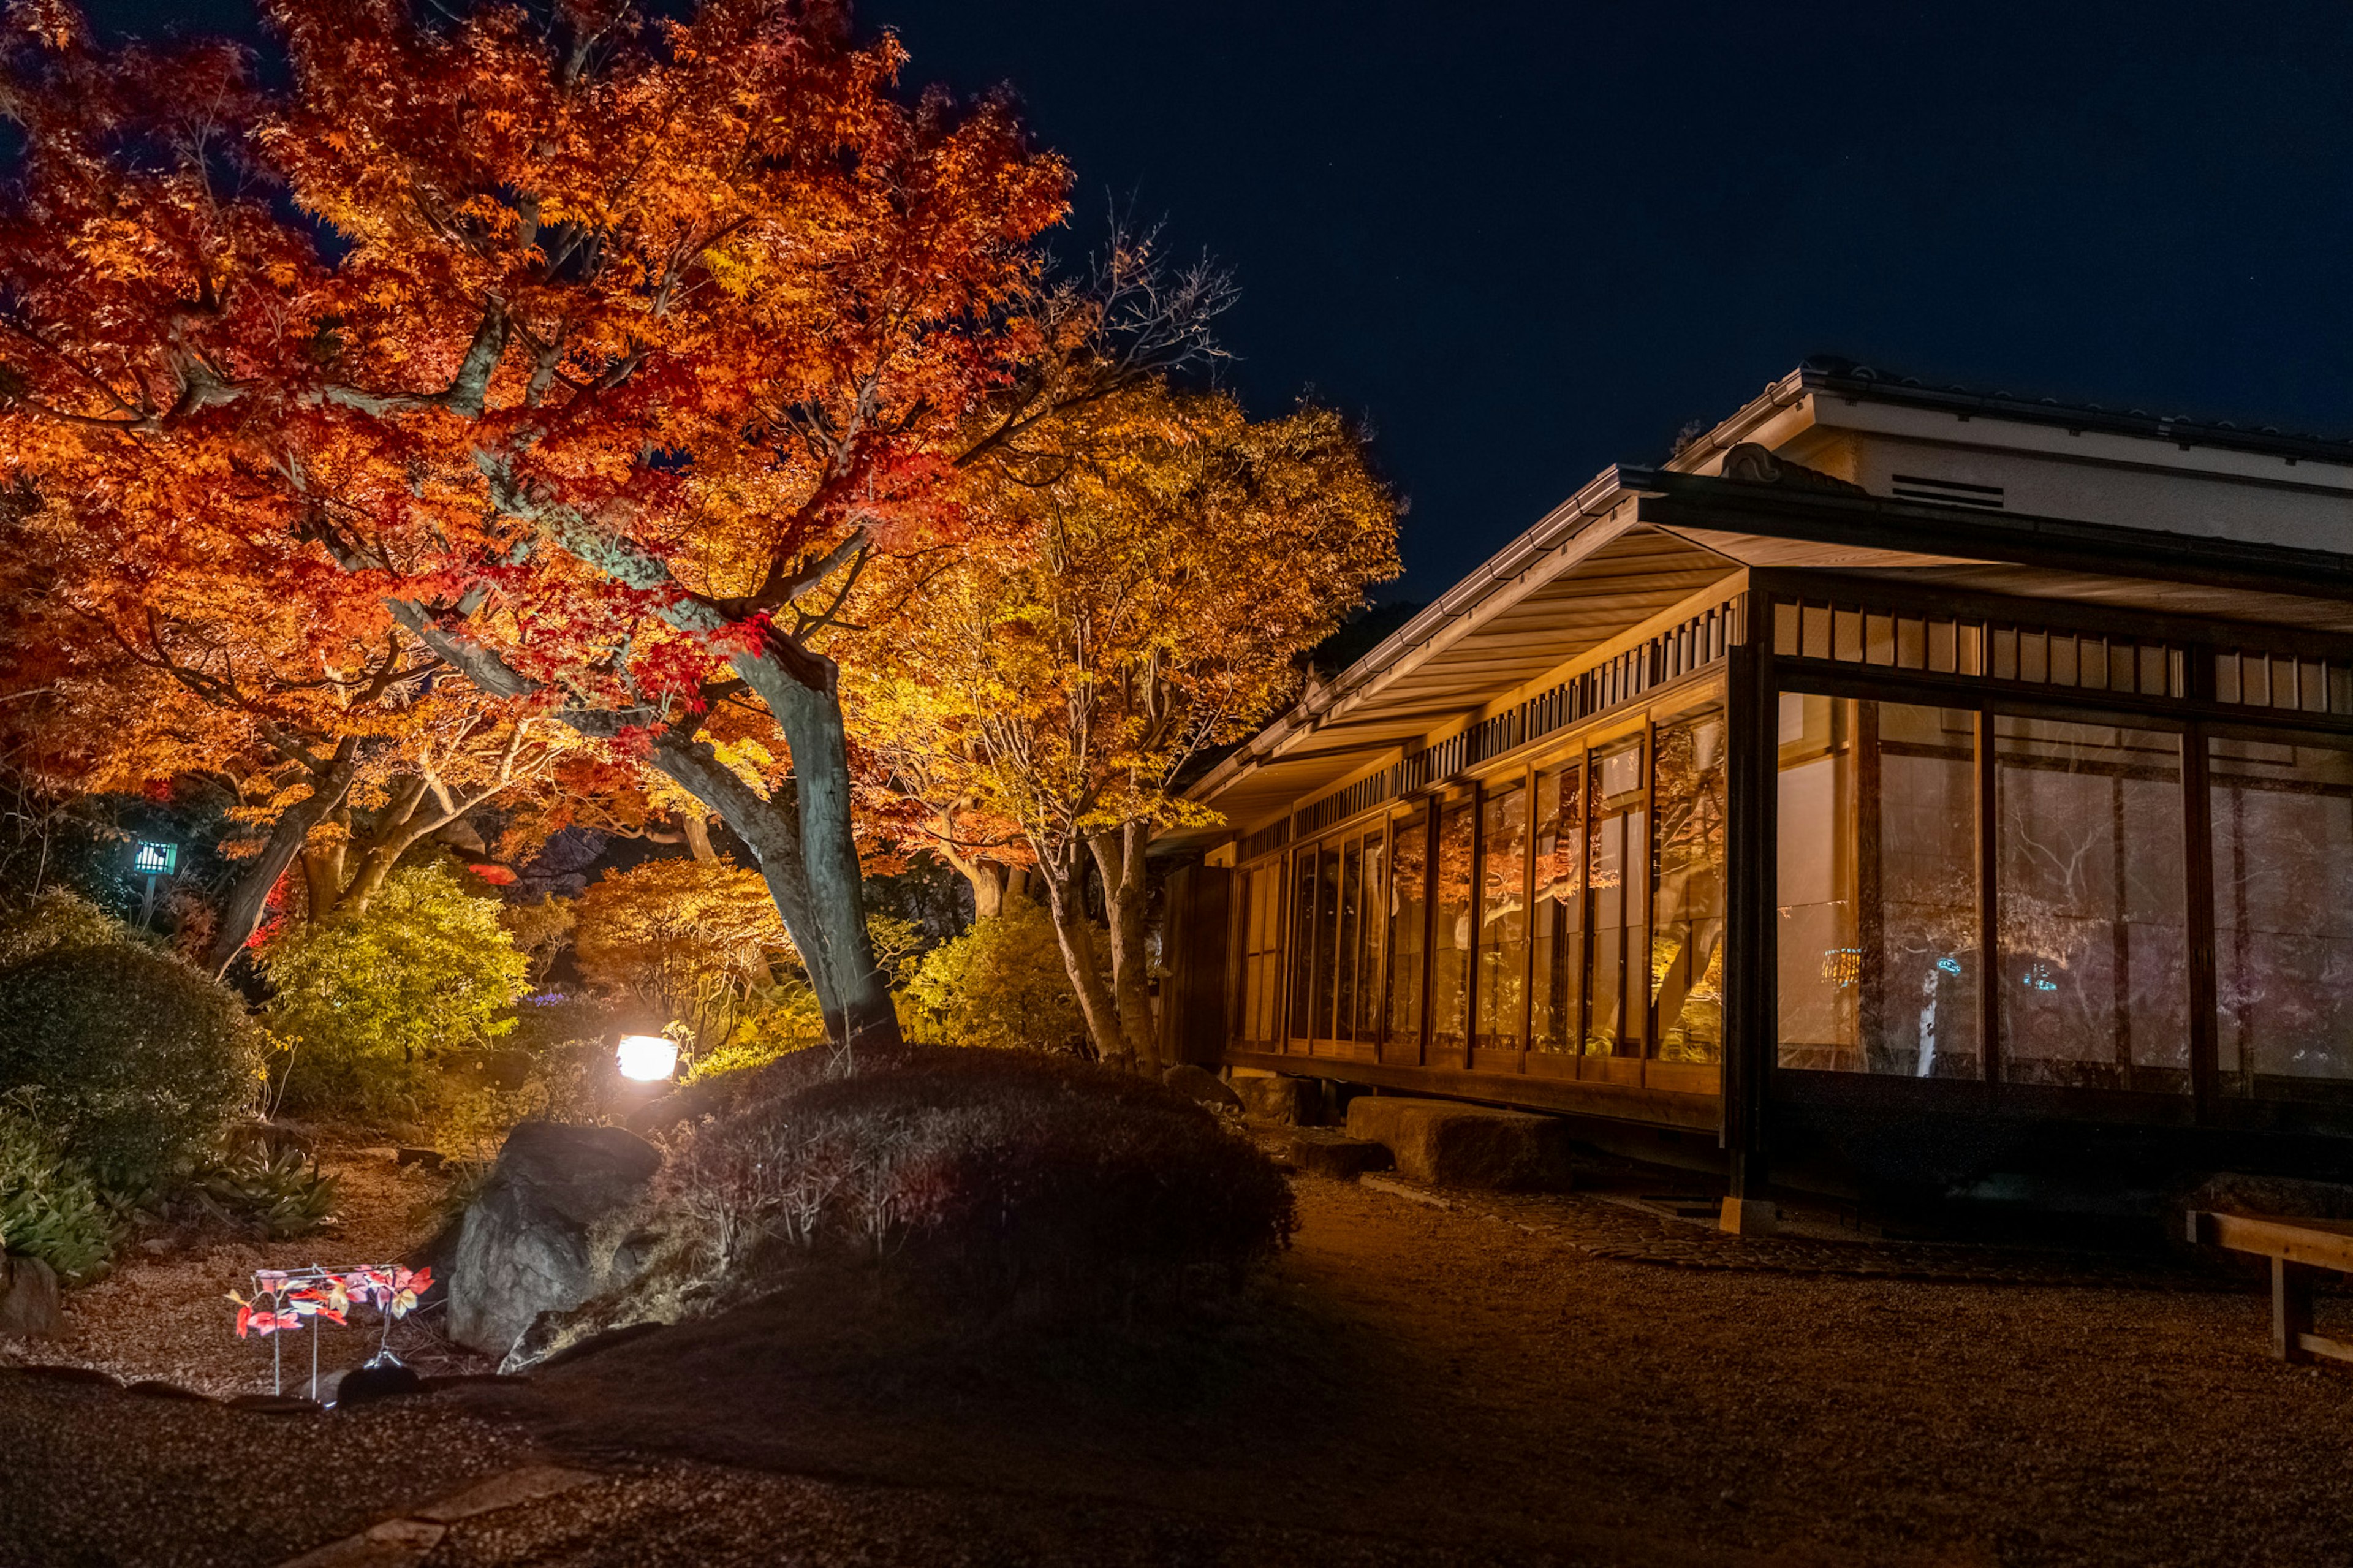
(647, 1058)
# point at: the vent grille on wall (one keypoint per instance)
(1947, 492)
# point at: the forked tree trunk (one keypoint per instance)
(1066, 906)
(1120, 857)
(250, 899)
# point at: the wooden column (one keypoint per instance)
(1752, 736)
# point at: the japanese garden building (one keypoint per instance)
(1915, 788)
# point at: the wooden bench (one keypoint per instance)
(2299, 1249)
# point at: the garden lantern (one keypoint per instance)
(647, 1058)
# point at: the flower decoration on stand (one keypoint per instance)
(283, 1300)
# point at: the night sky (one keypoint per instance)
(1525, 241)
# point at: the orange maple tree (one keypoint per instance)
(594, 355)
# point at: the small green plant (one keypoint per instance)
(282, 1195)
(49, 1208)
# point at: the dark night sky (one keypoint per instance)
(1528, 240)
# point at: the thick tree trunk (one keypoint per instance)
(1120, 857)
(249, 899)
(769, 828)
(1066, 905)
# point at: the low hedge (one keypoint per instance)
(1004, 1173)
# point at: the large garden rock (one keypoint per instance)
(1451, 1145)
(28, 1297)
(526, 1247)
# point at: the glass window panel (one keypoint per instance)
(1911, 645)
(2094, 954)
(1328, 909)
(1617, 882)
(1369, 971)
(1451, 934)
(1262, 951)
(1409, 923)
(1302, 941)
(1877, 933)
(2226, 677)
(2005, 653)
(2033, 656)
(2282, 835)
(1972, 651)
(1847, 636)
(1502, 915)
(2062, 661)
(2312, 688)
(1686, 992)
(1352, 894)
(1785, 630)
(1557, 964)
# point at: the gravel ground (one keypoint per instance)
(163, 1314)
(1481, 1383)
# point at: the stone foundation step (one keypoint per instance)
(1278, 1099)
(1448, 1144)
(1327, 1152)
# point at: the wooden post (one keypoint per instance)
(2291, 1308)
(1752, 745)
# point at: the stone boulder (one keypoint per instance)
(1280, 1099)
(1447, 1144)
(1201, 1084)
(526, 1245)
(28, 1297)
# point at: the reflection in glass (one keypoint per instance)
(1876, 934)
(1408, 920)
(1449, 991)
(1328, 912)
(1303, 939)
(1502, 914)
(1687, 908)
(1558, 966)
(1375, 906)
(1352, 889)
(1617, 878)
(2282, 835)
(2095, 951)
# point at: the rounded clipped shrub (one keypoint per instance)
(136, 1063)
(1003, 1173)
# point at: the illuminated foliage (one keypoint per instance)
(1174, 560)
(592, 357)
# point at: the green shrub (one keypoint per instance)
(48, 1208)
(57, 917)
(1003, 982)
(139, 1062)
(367, 1003)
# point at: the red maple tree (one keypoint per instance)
(589, 355)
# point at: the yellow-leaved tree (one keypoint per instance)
(1168, 562)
